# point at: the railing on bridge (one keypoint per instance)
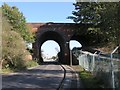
(104, 67)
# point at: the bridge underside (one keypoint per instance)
(62, 33)
(52, 35)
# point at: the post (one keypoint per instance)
(70, 58)
(112, 66)
(68, 44)
(93, 63)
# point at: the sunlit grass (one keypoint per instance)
(29, 64)
(7, 70)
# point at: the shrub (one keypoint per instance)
(13, 48)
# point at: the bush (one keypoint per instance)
(13, 48)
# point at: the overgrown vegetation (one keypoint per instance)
(31, 63)
(88, 80)
(18, 22)
(14, 38)
(13, 47)
(103, 18)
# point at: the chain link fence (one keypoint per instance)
(104, 67)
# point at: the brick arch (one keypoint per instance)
(56, 35)
(52, 35)
(62, 33)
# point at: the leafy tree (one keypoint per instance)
(18, 22)
(103, 16)
(15, 33)
(86, 12)
(110, 21)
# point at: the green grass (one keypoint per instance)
(7, 70)
(89, 80)
(29, 64)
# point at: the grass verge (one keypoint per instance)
(29, 64)
(88, 80)
(7, 70)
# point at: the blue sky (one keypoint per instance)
(47, 12)
(48, 48)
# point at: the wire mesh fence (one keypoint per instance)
(105, 68)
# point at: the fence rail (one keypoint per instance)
(107, 69)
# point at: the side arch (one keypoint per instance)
(81, 39)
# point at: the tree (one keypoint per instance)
(54, 57)
(110, 21)
(103, 16)
(86, 12)
(18, 22)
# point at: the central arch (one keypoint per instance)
(56, 36)
(50, 50)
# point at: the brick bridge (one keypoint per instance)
(62, 33)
